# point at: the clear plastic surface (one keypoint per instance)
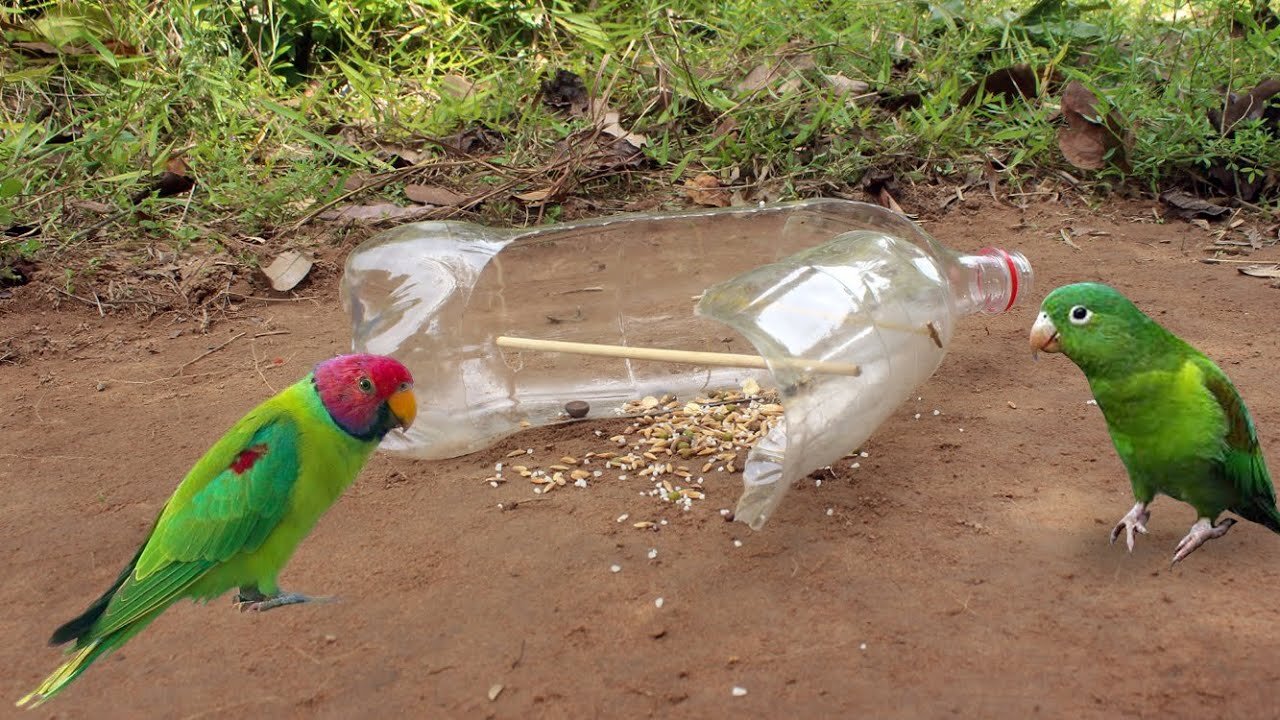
(868, 298)
(809, 280)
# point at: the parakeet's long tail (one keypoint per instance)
(80, 660)
(1265, 515)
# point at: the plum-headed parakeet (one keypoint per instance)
(1177, 422)
(237, 517)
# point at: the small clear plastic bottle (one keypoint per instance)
(812, 280)
(883, 302)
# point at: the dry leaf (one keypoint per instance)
(175, 180)
(705, 190)
(566, 91)
(1189, 206)
(1084, 142)
(1014, 81)
(1261, 271)
(457, 86)
(535, 197)
(287, 270)
(1254, 237)
(356, 181)
(846, 86)
(1249, 106)
(375, 212)
(433, 195)
(766, 74)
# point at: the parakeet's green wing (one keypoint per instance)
(1243, 463)
(228, 504)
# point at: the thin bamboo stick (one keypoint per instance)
(689, 357)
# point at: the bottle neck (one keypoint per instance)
(990, 281)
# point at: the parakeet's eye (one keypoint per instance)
(366, 385)
(1080, 315)
(404, 386)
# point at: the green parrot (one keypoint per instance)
(1177, 422)
(239, 514)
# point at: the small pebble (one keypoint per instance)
(937, 412)
(623, 516)
(831, 511)
(917, 416)
(737, 543)
(863, 646)
(653, 553)
(658, 602)
(856, 465)
(577, 408)
(615, 568)
(102, 386)
(863, 454)
(739, 691)
(582, 482)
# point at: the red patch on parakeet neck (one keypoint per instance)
(247, 458)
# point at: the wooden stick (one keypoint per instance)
(674, 356)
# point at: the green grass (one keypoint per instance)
(273, 104)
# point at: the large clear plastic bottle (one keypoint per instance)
(881, 301)
(833, 280)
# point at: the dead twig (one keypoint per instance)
(207, 353)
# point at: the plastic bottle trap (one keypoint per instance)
(842, 306)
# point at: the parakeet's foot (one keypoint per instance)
(1135, 520)
(257, 602)
(1200, 533)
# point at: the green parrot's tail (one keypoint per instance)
(80, 661)
(1264, 514)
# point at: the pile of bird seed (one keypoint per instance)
(672, 445)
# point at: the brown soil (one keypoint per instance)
(960, 574)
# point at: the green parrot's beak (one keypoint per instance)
(404, 406)
(1044, 336)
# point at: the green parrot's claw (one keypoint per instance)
(1135, 520)
(257, 602)
(1200, 533)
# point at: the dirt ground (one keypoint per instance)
(958, 574)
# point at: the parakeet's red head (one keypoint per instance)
(366, 395)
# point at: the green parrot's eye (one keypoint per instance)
(1080, 315)
(366, 385)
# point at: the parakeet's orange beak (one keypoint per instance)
(1044, 336)
(404, 406)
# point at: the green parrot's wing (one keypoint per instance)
(1243, 463)
(229, 502)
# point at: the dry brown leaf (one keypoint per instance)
(457, 86)
(1249, 106)
(1261, 271)
(1086, 143)
(287, 270)
(1014, 81)
(846, 86)
(705, 190)
(356, 181)
(566, 91)
(433, 195)
(535, 197)
(1189, 206)
(766, 74)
